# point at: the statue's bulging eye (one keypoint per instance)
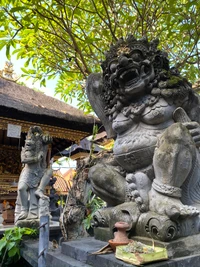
(137, 56)
(113, 67)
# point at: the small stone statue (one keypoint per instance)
(31, 201)
(153, 179)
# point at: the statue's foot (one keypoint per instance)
(39, 193)
(170, 206)
(32, 216)
(23, 215)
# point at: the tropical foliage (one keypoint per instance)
(10, 244)
(94, 203)
(67, 39)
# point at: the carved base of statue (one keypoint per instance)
(42, 210)
(162, 228)
(148, 224)
(34, 223)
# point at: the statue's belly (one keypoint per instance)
(134, 150)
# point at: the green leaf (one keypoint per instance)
(25, 70)
(8, 51)
(13, 251)
(2, 34)
(26, 64)
(10, 245)
(43, 82)
(36, 26)
(19, 8)
(27, 231)
(3, 244)
(2, 44)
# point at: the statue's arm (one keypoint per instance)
(28, 160)
(94, 89)
(193, 111)
(193, 107)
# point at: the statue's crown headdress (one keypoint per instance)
(131, 44)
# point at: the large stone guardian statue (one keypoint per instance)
(35, 175)
(152, 180)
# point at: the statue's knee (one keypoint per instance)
(103, 174)
(96, 173)
(93, 172)
(22, 187)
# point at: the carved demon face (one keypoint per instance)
(130, 73)
(30, 145)
(131, 67)
(33, 140)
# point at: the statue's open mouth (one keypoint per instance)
(130, 76)
(133, 77)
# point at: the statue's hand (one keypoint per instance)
(194, 129)
(47, 139)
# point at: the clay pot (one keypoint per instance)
(120, 237)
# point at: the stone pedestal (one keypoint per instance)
(182, 247)
(35, 223)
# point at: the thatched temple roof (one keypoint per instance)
(26, 107)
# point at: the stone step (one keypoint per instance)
(82, 250)
(29, 251)
(78, 253)
(57, 259)
(54, 258)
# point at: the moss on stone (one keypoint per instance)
(174, 80)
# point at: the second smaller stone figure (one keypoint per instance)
(34, 176)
